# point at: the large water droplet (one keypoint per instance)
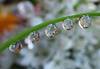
(35, 37)
(85, 22)
(67, 24)
(51, 31)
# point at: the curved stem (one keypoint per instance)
(27, 31)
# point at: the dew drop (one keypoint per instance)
(15, 48)
(51, 31)
(67, 24)
(35, 37)
(84, 22)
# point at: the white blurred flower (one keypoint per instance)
(26, 9)
(96, 59)
(86, 7)
(33, 21)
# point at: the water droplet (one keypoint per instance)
(85, 22)
(35, 37)
(51, 31)
(16, 47)
(67, 24)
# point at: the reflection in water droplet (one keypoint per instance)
(67, 24)
(35, 37)
(51, 31)
(15, 48)
(85, 22)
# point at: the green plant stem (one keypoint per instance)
(27, 31)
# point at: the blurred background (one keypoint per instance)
(75, 49)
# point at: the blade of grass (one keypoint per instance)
(27, 31)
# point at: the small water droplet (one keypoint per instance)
(67, 24)
(51, 31)
(35, 37)
(85, 22)
(16, 47)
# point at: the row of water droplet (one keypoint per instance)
(51, 31)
